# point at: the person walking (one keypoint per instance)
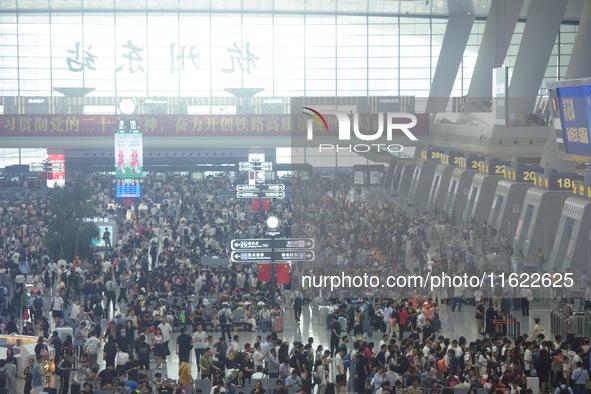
(37, 382)
(225, 320)
(297, 308)
(480, 314)
(92, 347)
(28, 373)
(167, 332)
(458, 298)
(185, 377)
(4, 379)
(335, 335)
(526, 298)
(571, 329)
(580, 378)
(200, 343)
(63, 370)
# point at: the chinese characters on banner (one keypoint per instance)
(152, 125)
(167, 125)
(574, 103)
(240, 58)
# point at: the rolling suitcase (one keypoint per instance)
(278, 326)
(330, 389)
(533, 383)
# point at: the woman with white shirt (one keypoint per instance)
(258, 358)
(75, 313)
(320, 376)
(249, 318)
(536, 330)
(483, 360)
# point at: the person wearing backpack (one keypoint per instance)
(143, 354)
(225, 320)
(563, 388)
(38, 307)
(92, 348)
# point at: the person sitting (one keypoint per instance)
(293, 381)
(238, 381)
(249, 318)
(279, 387)
(258, 388)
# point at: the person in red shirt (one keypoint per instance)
(402, 321)
(77, 262)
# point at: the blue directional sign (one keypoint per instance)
(250, 244)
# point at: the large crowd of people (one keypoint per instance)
(157, 293)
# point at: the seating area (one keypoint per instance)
(268, 384)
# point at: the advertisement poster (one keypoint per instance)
(56, 176)
(129, 161)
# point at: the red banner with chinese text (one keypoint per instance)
(182, 125)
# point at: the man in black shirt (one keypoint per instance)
(165, 387)
(184, 345)
(335, 335)
(107, 238)
(132, 367)
(63, 370)
(247, 365)
(381, 356)
(297, 308)
(480, 317)
(107, 375)
(363, 371)
(415, 337)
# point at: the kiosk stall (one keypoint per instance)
(539, 216)
(422, 180)
(572, 246)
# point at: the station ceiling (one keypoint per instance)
(417, 8)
